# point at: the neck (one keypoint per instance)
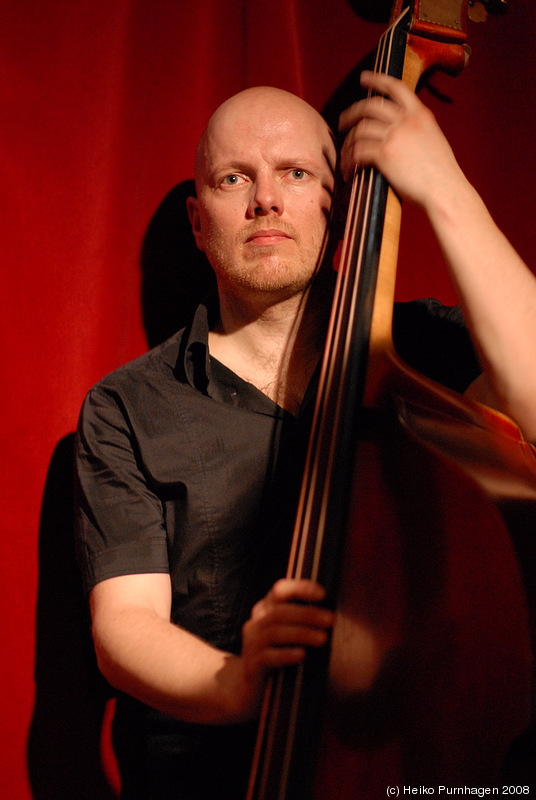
(273, 343)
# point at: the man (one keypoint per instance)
(189, 458)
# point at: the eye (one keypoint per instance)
(231, 180)
(298, 174)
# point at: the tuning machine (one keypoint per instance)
(479, 10)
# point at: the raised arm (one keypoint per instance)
(400, 136)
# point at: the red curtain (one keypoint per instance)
(102, 107)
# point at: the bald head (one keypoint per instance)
(262, 112)
(265, 169)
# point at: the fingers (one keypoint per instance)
(391, 98)
(369, 122)
(397, 134)
(284, 624)
(387, 85)
(301, 589)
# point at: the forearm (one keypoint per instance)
(140, 652)
(170, 669)
(498, 294)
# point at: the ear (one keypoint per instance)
(192, 204)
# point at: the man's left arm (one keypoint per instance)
(497, 291)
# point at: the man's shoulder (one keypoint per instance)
(168, 362)
(155, 368)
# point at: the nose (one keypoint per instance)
(266, 197)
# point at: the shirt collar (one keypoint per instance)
(215, 379)
(209, 376)
(193, 362)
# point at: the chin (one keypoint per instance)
(274, 275)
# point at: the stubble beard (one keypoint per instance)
(264, 269)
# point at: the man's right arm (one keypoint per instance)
(143, 654)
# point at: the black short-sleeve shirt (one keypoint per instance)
(184, 468)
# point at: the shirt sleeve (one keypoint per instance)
(119, 520)
(434, 340)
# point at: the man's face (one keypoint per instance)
(265, 176)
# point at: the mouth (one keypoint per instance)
(269, 236)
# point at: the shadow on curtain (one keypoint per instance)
(64, 745)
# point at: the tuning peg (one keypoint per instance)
(496, 7)
(479, 10)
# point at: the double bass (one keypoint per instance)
(416, 513)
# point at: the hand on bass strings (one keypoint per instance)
(395, 132)
(282, 625)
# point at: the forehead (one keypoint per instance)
(269, 127)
